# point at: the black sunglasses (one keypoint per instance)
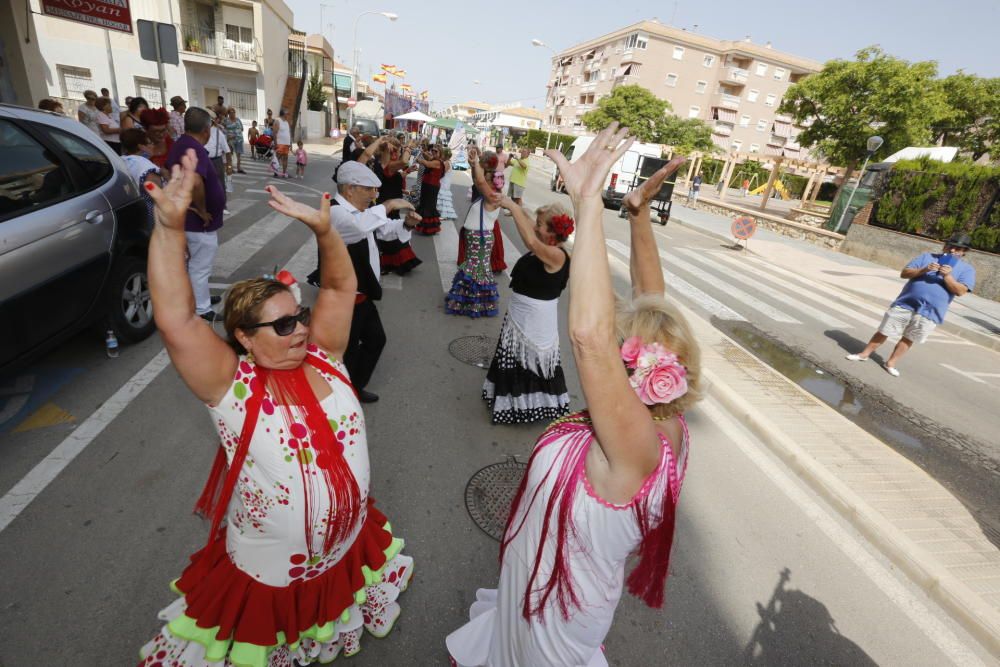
(284, 326)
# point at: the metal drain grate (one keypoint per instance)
(490, 492)
(473, 350)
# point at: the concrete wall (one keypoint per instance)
(893, 249)
(312, 126)
(275, 22)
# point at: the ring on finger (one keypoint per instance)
(609, 147)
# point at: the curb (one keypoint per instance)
(981, 620)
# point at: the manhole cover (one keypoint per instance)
(490, 492)
(473, 350)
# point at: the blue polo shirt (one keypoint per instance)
(215, 195)
(927, 295)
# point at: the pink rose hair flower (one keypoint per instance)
(657, 374)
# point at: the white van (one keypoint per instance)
(622, 173)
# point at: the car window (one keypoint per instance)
(96, 166)
(630, 161)
(30, 175)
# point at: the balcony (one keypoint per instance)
(211, 46)
(723, 129)
(736, 75)
(782, 118)
(727, 101)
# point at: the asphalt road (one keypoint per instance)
(102, 460)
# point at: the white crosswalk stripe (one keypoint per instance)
(302, 263)
(235, 252)
(446, 251)
(677, 284)
(823, 316)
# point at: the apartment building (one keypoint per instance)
(463, 110)
(735, 86)
(234, 48)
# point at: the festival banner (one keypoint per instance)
(110, 14)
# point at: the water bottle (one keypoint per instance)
(111, 345)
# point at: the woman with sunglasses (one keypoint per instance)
(298, 561)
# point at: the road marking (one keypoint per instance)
(815, 313)
(392, 281)
(510, 252)
(972, 375)
(236, 251)
(302, 263)
(446, 250)
(748, 300)
(49, 414)
(27, 489)
(237, 205)
(678, 284)
(911, 605)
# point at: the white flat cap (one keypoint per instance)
(355, 173)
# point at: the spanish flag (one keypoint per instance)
(379, 78)
(401, 73)
(389, 68)
(407, 87)
(424, 95)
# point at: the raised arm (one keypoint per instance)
(644, 259)
(369, 152)
(331, 318)
(479, 176)
(552, 257)
(624, 427)
(203, 360)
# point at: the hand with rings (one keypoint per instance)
(584, 178)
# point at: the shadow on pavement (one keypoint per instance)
(796, 629)
(988, 326)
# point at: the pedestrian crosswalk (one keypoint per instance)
(234, 253)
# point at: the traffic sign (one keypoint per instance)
(351, 102)
(744, 227)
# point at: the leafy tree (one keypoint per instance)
(315, 95)
(849, 101)
(648, 120)
(972, 122)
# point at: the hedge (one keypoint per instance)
(936, 200)
(537, 138)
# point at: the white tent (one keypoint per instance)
(417, 116)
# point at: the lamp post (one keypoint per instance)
(354, 57)
(874, 143)
(538, 42)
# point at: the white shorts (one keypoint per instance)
(899, 322)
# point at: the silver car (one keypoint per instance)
(74, 234)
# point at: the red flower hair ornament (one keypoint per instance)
(561, 225)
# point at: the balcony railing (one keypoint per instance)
(782, 118)
(728, 101)
(737, 74)
(195, 39)
(722, 129)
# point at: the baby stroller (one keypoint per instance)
(264, 147)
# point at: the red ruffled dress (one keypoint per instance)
(266, 591)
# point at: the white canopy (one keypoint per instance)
(417, 116)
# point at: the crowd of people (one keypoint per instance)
(299, 562)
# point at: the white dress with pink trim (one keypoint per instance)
(497, 634)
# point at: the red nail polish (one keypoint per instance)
(149, 186)
(326, 195)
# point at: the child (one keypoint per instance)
(252, 134)
(300, 161)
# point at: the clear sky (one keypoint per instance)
(447, 45)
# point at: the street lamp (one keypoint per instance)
(354, 56)
(874, 143)
(538, 42)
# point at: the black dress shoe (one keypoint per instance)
(367, 396)
(216, 300)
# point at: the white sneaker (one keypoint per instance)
(856, 357)
(892, 371)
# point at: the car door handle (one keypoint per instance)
(94, 217)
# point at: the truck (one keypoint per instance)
(622, 173)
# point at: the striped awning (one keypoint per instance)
(782, 129)
(721, 142)
(724, 114)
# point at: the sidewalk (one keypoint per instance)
(970, 317)
(325, 146)
(903, 511)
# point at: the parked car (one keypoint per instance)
(73, 237)
(622, 172)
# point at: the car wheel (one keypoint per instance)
(130, 308)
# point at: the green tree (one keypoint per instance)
(849, 101)
(649, 120)
(315, 95)
(633, 107)
(972, 122)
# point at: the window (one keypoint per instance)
(752, 95)
(74, 80)
(603, 75)
(745, 120)
(150, 89)
(672, 80)
(693, 112)
(635, 41)
(238, 33)
(769, 100)
(779, 73)
(614, 72)
(754, 148)
(737, 144)
(700, 86)
(245, 103)
(95, 165)
(678, 53)
(761, 69)
(708, 61)
(761, 125)
(30, 177)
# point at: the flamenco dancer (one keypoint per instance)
(395, 254)
(430, 185)
(525, 382)
(474, 289)
(298, 561)
(601, 484)
(446, 207)
(488, 161)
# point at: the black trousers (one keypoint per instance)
(364, 347)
